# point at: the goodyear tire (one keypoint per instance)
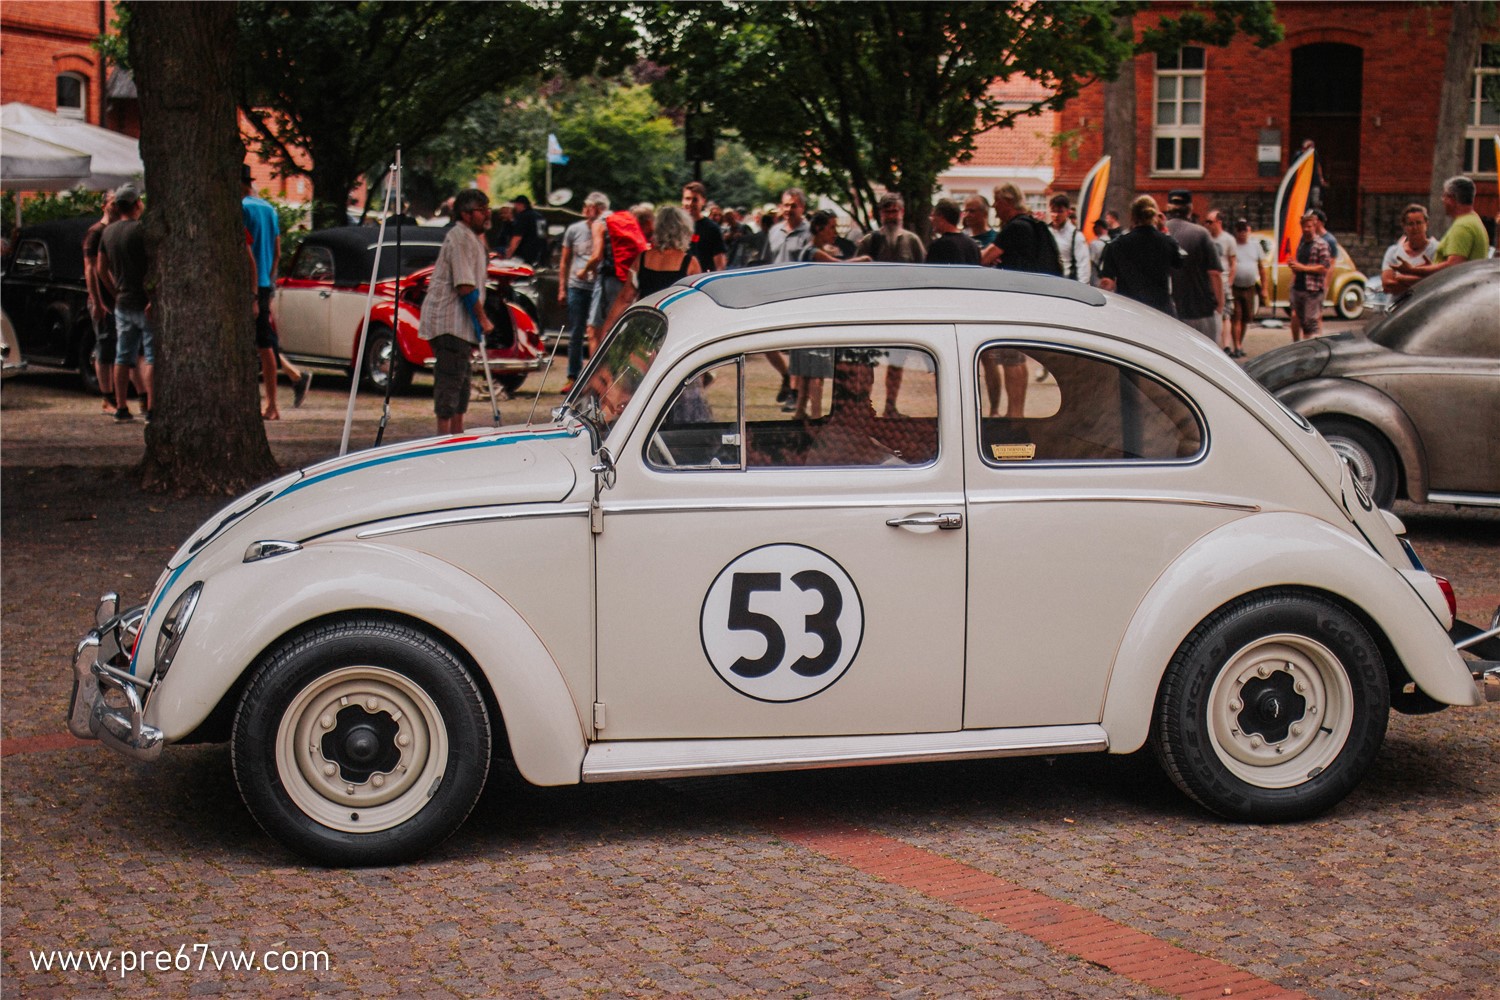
(361, 742)
(1273, 709)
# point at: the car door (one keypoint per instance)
(1086, 479)
(303, 302)
(769, 569)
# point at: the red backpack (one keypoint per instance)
(623, 242)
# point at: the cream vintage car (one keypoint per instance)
(930, 555)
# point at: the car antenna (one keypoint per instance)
(390, 373)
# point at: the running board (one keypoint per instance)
(628, 760)
(1465, 499)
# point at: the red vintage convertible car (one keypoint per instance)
(320, 306)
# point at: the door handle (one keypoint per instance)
(947, 522)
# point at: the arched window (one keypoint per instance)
(72, 95)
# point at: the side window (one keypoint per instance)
(701, 428)
(847, 407)
(1046, 405)
(314, 264)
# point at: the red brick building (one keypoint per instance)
(1362, 80)
(49, 62)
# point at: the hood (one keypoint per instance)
(529, 465)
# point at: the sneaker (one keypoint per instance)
(299, 391)
(123, 415)
(785, 392)
(567, 387)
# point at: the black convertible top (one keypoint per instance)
(353, 250)
(764, 285)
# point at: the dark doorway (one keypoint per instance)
(1327, 97)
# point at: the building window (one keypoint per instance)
(1178, 128)
(72, 95)
(1484, 114)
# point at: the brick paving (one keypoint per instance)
(1086, 877)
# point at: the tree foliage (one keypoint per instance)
(348, 81)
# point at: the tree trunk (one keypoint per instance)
(206, 434)
(1454, 106)
(1120, 130)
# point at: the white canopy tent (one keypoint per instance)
(32, 135)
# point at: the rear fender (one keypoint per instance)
(246, 609)
(1256, 553)
(1330, 397)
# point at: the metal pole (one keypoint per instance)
(364, 328)
(390, 373)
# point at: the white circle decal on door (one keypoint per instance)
(782, 623)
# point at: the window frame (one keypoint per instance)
(81, 111)
(1026, 346)
(1177, 132)
(1478, 133)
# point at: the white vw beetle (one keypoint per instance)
(998, 514)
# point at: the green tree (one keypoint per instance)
(346, 82)
(206, 435)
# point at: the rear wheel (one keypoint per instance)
(361, 743)
(383, 360)
(1351, 301)
(1273, 708)
(1370, 457)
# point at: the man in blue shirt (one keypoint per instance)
(264, 231)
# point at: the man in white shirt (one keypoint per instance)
(1225, 245)
(453, 314)
(1072, 248)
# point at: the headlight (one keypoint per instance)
(169, 639)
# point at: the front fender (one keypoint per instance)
(246, 608)
(1255, 553)
(1341, 397)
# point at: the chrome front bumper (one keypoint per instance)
(108, 702)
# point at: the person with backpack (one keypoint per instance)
(1139, 264)
(618, 241)
(1024, 243)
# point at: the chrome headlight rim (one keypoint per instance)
(175, 626)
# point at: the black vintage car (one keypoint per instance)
(45, 300)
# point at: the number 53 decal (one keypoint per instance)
(782, 623)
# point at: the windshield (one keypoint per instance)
(618, 369)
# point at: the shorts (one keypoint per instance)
(1228, 296)
(136, 338)
(1308, 306)
(450, 376)
(812, 362)
(1244, 303)
(105, 338)
(265, 333)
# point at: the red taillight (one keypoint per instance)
(1447, 589)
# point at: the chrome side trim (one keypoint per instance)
(627, 760)
(784, 504)
(572, 510)
(1466, 499)
(1249, 508)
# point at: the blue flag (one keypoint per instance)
(554, 150)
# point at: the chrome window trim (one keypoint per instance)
(743, 505)
(572, 510)
(1055, 463)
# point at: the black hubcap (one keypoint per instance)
(362, 744)
(1272, 704)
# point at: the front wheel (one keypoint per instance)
(361, 743)
(1273, 709)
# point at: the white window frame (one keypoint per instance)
(1176, 130)
(1476, 132)
(82, 110)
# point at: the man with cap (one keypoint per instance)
(122, 272)
(1198, 288)
(265, 249)
(529, 241)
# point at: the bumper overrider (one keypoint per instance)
(108, 702)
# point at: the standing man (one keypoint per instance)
(575, 286)
(122, 271)
(1224, 243)
(1311, 265)
(101, 304)
(1198, 291)
(788, 238)
(1139, 263)
(977, 221)
(265, 249)
(454, 308)
(1072, 248)
(1096, 249)
(892, 241)
(1465, 240)
(1017, 248)
(1112, 221)
(1246, 282)
(952, 245)
(529, 237)
(708, 239)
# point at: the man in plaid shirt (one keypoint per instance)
(1311, 265)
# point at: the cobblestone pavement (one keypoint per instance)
(989, 878)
